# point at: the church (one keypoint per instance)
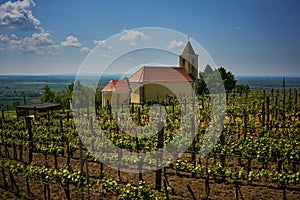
(153, 83)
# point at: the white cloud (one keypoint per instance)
(132, 36)
(103, 43)
(4, 39)
(175, 45)
(1, 49)
(100, 42)
(237, 28)
(18, 15)
(13, 36)
(38, 43)
(71, 41)
(85, 49)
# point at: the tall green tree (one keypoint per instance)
(228, 78)
(48, 94)
(209, 76)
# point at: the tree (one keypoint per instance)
(98, 97)
(48, 94)
(209, 76)
(228, 78)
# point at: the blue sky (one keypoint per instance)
(247, 37)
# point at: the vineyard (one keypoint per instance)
(257, 155)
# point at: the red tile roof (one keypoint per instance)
(116, 86)
(148, 74)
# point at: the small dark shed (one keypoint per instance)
(33, 109)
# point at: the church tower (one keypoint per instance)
(189, 61)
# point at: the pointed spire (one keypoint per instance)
(188, 49)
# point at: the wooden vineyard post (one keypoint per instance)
(4, 178)
(222, 157)
(276, 107)
(120, 155)
(193, 145)
(14, 185)
(191, 192)
(166, 189)
(263, 114)
(139, 157)
(102, 152)
(289, 99)
(1, 125)
(139, 115)
(184, 105)
(68, 151)
(296, 100)
(207, 187)
(268, 113)
(92, 133)
(132, 108)
(15, 151)
(245, 123)
(28, 123)
(158, 177)
(202, 100)
(167, 182)
(272, 92)
(284, 192)
(101, 170)
(283, 106)
(20, 152)
(6, 145)
(237, 188)
(249, 168)
(2, 111)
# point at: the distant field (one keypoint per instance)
(32, 85)
(265, 82)
(39, 83)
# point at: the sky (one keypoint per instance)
(247, 37)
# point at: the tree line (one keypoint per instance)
(64, 96)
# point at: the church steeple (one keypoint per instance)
(189, 61)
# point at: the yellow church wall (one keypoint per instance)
(114, 99)
(106, 98)
(156, 92)
(160, 91)
(135, 94)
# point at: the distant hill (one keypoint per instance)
(55, 81)
(58, 81)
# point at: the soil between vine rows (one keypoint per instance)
(179, 183)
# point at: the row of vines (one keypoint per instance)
(258, 149)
